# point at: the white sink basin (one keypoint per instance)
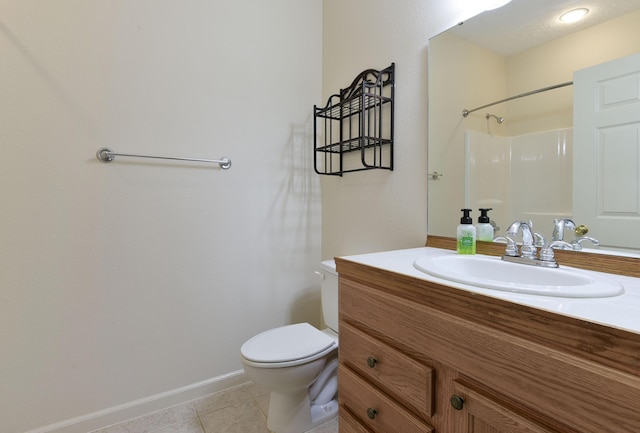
(493, 273)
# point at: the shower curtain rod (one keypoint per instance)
(107, 155)
(466, 112)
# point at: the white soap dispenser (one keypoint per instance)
(484, 229)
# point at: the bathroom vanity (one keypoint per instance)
(420, 354)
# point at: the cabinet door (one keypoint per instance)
(487, 416)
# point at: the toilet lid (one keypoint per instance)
(286, 343)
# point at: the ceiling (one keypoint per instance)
(523, 24)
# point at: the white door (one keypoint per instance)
(606, 154)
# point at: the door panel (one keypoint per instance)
(606, 170)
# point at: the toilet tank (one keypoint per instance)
(329, 293)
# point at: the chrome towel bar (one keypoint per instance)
(107, 155)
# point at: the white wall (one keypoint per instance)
(122, 281)
(126, 281)
(487, 172)
(378, 209)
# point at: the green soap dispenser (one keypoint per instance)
(484, 229)
(466, 234)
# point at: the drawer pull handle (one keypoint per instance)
(457, 402)
(371, 413)
(371, 361)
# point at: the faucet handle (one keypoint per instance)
(576, 244)
(546, 253)
(511, 249)
(538, 240)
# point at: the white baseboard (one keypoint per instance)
(136, 408)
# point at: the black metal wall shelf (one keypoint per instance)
(358, 120)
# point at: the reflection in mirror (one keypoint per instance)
(522, 166)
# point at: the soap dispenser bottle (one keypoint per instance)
(484, 229)
(466, 234)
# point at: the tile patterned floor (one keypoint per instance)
(241, 409)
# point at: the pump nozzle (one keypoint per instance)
(484, 215)
(466, 218)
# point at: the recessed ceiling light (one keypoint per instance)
(495, 4)
(574, 15)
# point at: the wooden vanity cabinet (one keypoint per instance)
(421, 357)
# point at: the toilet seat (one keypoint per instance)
(287, 346)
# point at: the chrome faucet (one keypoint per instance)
(558, 228)
(528, 250)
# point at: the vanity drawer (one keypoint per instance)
(373, 408)
(400, 376)
(347, 423)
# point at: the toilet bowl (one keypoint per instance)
(298, 365)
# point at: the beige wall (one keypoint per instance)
(554, 63)
(381, 210)
(471, 77)
(135, 283)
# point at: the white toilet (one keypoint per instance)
(299, 365)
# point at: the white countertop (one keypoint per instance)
(621, 311)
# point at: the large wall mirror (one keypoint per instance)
(520, 157)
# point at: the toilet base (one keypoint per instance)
(292, 412)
